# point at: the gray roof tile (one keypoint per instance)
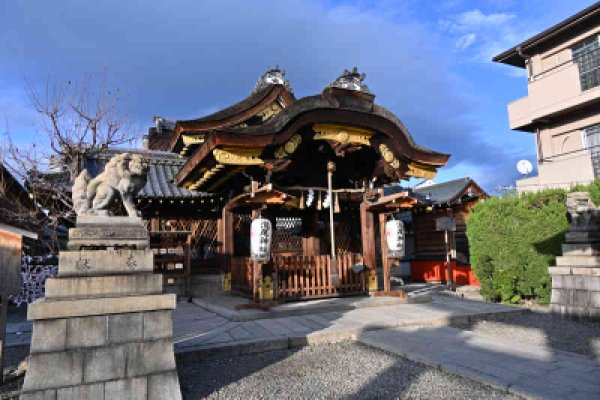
(163, 166)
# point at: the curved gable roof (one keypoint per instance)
(333, 105)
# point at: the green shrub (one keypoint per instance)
(513, 241)
(594, 190)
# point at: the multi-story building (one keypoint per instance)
(562, 108)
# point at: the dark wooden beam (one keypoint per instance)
(310, 240)
(367, 229)
(384, 253)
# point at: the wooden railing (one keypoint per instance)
(299, 277)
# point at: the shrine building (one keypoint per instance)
(325, 170)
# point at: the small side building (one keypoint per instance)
(428, 256)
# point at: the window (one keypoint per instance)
(586, 54)
(592, 137)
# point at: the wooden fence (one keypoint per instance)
(299, 277)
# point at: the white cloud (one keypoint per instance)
(484, 35)
(465, 41)
(475, 19)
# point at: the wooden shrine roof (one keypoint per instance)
(444, 193)
(344, 113)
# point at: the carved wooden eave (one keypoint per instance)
(289, 147)
(342, 134)
(238, 156)
(265, 195)
(263, 104)
(393, 202)
(345, 119)
(190, 141)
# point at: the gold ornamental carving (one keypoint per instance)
(414, 169)
(289, 147)
(190, 140)
(238, 156)
(342, 134)
(207, 175)
(421, 171)
(272, 110)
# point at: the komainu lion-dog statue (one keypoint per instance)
(124, 176)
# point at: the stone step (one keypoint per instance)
(575, 311)
(581, 249)
(576, 282)
(104, 262)
(576, 297)
(588, 271)
(582, 237)
(53, 309)
(52, 335)
(575, 261)
(98, 364)
(103, 286)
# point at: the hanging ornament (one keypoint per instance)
(394, 234)
(310, 198)
(260, 239)
(326, 200)
(319, 202)
(336, 204)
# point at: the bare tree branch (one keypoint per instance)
(77, 117)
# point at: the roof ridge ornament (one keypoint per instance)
(273, 76)
(351, 80)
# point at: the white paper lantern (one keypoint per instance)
(260, 239)
(394, 233)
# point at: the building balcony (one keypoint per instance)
(552, 93)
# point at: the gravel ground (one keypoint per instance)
(332, 371)
(543, 328)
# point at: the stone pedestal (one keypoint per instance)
(104, 329)
(576, 277)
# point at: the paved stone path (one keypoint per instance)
(198, 330)
(415, 331)
(525, 369)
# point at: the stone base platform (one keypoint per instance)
(104, 329)
(102, 232)
(576, 277)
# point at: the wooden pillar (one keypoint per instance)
(188, 266)
(154, 224)
(257, 280)
(384, 254)
(227, 238)
(311, 245)
(367, 231)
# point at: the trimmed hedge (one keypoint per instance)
(514, 240)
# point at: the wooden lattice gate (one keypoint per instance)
(300, 277)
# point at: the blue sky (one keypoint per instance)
(427, 61)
